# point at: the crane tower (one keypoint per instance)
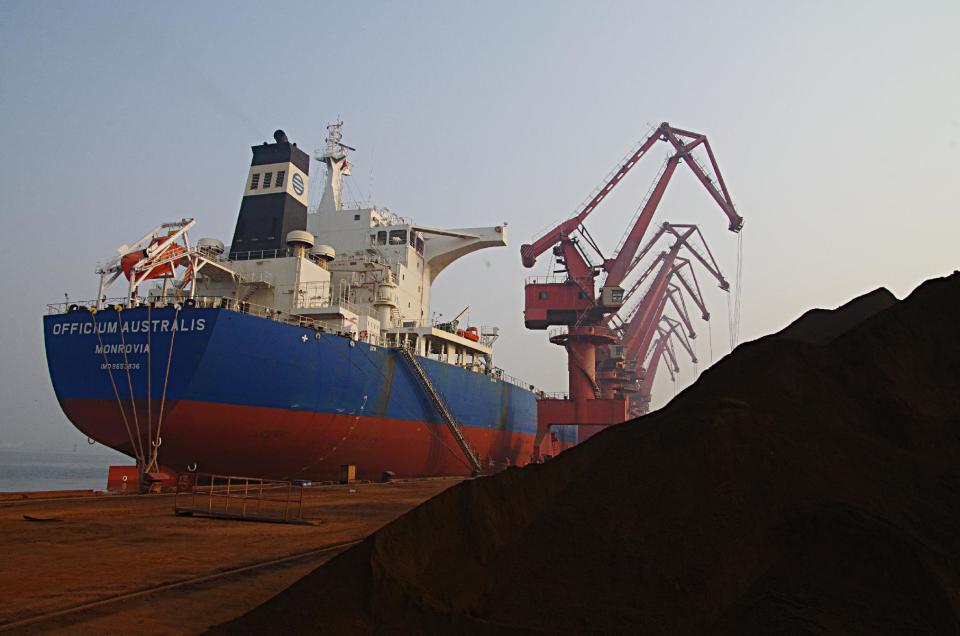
(573, 307)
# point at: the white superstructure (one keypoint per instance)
(362, 272)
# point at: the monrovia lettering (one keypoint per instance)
(119, 348)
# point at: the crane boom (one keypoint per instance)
(621, 264)
(530, 252)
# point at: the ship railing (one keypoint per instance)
(553, 332)
(494, 373)
(414, 323)
(555, 395)
(246, 498)
(498, 373)
(262, 255)
(552, 279)
(64, 307)
(263, 311)
(486, 331)
(254, 278)
(256, 255)
(350, 259)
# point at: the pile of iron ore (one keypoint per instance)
(809, 483)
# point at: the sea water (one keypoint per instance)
(29, 470)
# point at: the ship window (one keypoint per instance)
(356, 217)
(413, 238)
(255, 181)
(419, 245)
(280, 175)
(541, 295)
(266, 179)
(398, 237)
(382, 238)
(582, 295)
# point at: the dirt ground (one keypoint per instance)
(98, 547)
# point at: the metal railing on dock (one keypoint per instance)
(242, 498)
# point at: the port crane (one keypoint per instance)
(640, 326)
(617, 364)
(573, 302)
(670, 277)
(669, 330)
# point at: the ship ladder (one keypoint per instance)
(440, 405)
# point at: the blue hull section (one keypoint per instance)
(135, 357)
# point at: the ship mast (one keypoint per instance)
(334, 157)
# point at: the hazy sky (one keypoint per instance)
(836, 125)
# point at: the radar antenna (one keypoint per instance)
(334, 157)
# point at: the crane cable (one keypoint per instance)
(739, 291)
(733, 304)
(710, 340)
(739, 280)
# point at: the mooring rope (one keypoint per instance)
(113, 383)
(163, 396)
(126, 366)
(149, 373)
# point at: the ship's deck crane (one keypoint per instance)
(574, 302)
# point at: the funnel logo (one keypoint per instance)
(297, 182)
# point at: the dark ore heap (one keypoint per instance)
(809, 483)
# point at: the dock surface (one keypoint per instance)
(125, 564)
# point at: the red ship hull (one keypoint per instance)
(289, 444)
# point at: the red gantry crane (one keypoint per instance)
(573, 301)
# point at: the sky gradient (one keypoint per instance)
(836, 126)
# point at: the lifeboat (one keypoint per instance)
(165, 270)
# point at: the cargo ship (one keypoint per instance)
(304, 345)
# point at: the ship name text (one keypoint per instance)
(133, 326)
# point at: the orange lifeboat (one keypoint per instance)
(166, 270)
(471, 333)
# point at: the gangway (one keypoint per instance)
(441, 407)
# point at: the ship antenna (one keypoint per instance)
(334, 157)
